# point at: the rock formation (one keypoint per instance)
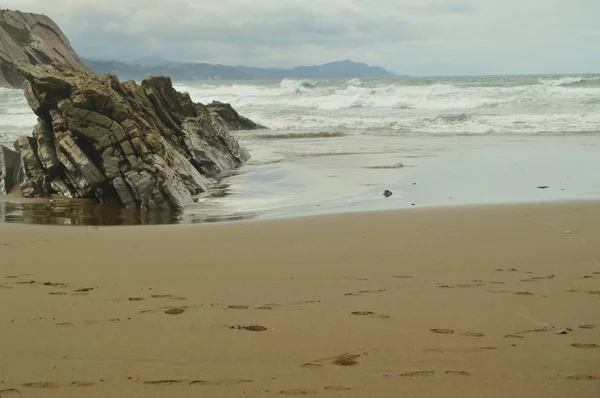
(34, 39)
(10, 167)
(144, 146)
(229, 118)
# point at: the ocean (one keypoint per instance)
(336, 145)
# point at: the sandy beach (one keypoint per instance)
(454, 302)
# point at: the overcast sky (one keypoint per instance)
(416, 37)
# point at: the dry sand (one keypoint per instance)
(460, 302)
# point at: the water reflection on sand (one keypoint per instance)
(85, 213)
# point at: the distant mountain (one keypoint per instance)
(153, 61)
(178, 71)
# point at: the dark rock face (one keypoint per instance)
(229, 118)
(10, 168)
(34, 39)
(144, 146)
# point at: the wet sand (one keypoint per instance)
(452, 302)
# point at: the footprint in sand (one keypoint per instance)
(175, 311)
(174, 382)
(54, 284)
(458, 373)
(298, 391)
(403, 277)
(442, 331)
(85, 290)
(583, 377)
(41, 384)
(337, 388)
(537, 278)
(82, 384)
(346, 360)
(472, 334)
(167, 296)
(596, 292)
(293, 303)
(237, 307)
(587, 326)
(16, 276)
(524, 293)
(418, 373)
(537, 330)
(462, 350)
(57, 293)
(513, 336)
(370, 314)
(311, 365)
(585, 345)
(250, 328)
(136, 299)
(226, 382)
(469, 350)
(167, 382)
(360, 292)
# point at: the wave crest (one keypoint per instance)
(288, 136)
(577, 81)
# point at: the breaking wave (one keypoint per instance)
(331, 95)
(322, 109)
(572, 82)
(287, 136)
(449, 106)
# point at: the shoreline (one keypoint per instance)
(78, 203)
(461, 302)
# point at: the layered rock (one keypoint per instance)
(228, 117)
(34, 39)
(10, 168)
(144, 146)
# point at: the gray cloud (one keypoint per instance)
(418, 37)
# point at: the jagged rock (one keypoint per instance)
(144, 146)
(10, 168)
(226, 116)
(34, 39)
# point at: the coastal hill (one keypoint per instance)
(32, 38)
(181, 71)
